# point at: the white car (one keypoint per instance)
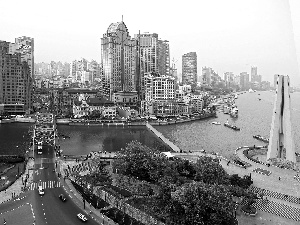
(82, 217)
(41, 190)
(40, 147)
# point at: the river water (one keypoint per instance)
(254, 118)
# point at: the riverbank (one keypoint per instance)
(137, 123)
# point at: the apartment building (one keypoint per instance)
(15, 78)
(189, 68)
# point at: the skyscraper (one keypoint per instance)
(15, 78)
(118, 55)
(206, 76)
(154, 57)
(24, 46)
(163, 57)
(189, 68)
(244, 80)
(253, 74)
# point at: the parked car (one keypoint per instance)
(82, 217)
(62, 197)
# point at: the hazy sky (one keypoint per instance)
(228, 35)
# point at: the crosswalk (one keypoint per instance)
(45, 184)
(278, 209)
(274, 194)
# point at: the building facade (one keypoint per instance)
(118, 54)
(163, 57)
(244, 81)
(189, 68)
(24, 46)
(159, 87)
(15, 78)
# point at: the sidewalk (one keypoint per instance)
(280, 180)
(16, 188)
(77, 198)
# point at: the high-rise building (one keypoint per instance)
(118, 55)
(154, 57)
(148, 52)
(206, 76)
(244, 80)
(15, 78)
(24, 46)
(189, 68)
(229, 79)
(253, 74)
(163, 57)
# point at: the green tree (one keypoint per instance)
(203, 204)
(210, 171)
(140, 161)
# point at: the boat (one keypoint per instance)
(24, 119)
(63, 121)
(226, 109)
(216, 123)
(234, 112)
(261, 138)
(6, 120)
(226, 124)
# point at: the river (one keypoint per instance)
(254, 118)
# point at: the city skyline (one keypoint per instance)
(229, 38)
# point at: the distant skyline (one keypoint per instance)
(230, 35)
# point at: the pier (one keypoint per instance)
(165, 140)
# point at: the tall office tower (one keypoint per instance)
(148, 46)
(189, 68)
(24, 46)
(253, 74)
(159, 87)
(154, 57)
(118, 55)
(206, 76)
(15, 78)
(163, 57)
(244, 80)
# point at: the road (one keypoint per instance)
(47, 209)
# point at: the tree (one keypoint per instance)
(202, 204)
(140, 161)
(210, 171)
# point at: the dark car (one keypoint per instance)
(62, 197)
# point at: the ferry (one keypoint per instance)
(7, 120)
(24, 119)
(63, 121)
(226, 124)
(261, 138)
